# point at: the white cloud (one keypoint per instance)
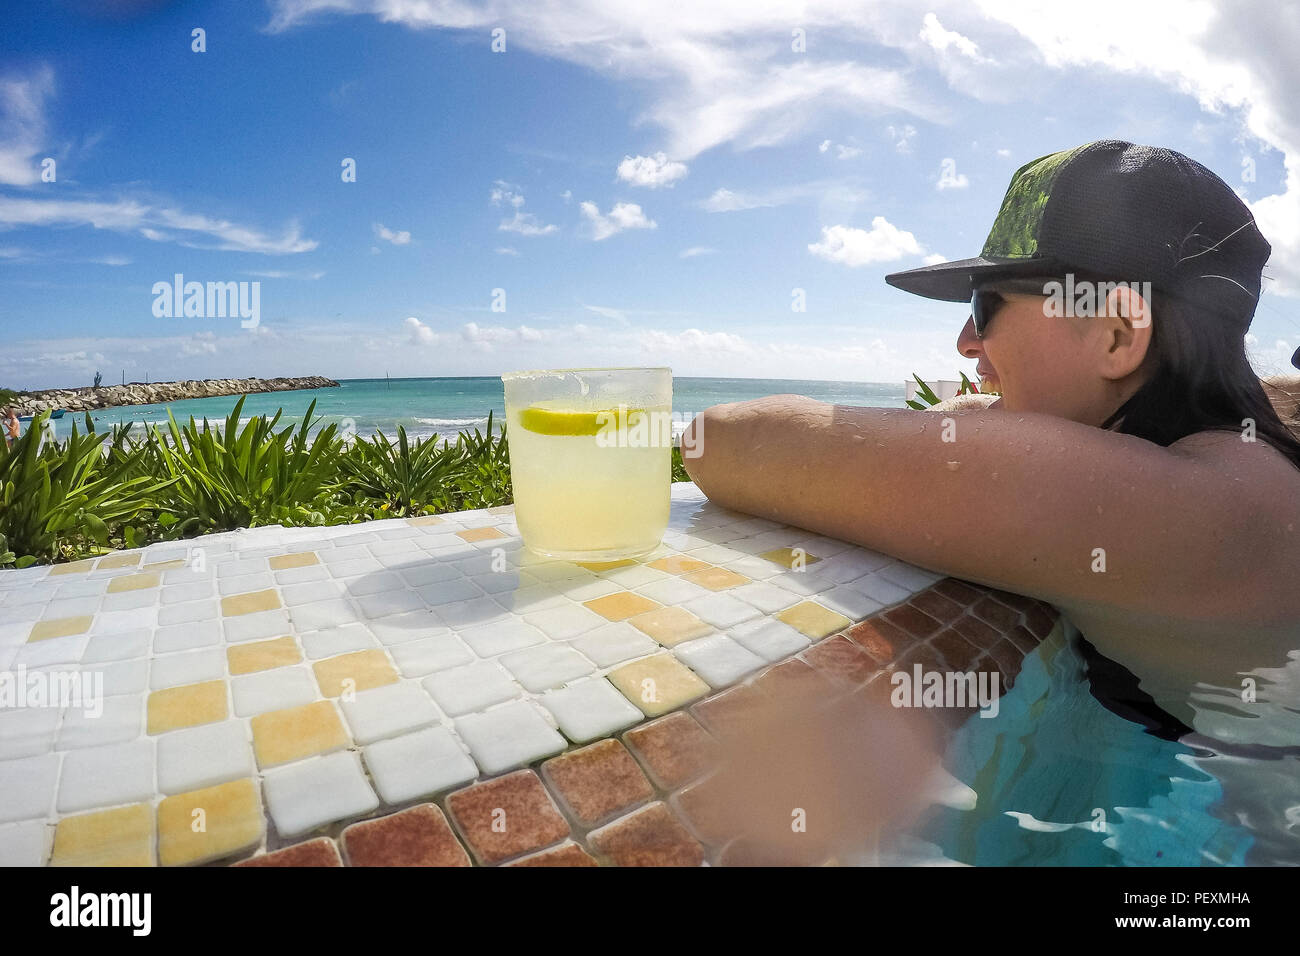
(933, 259)
(1004, 153)
(935, 36)
(388, 235)
(901, 137)
(694, 251)
(727, 200)
(624, 215)
(651, 171)
(420, 334)
(694, 341)
(523, 223)
(884, 242)
(617, 315)
(23, 131)
(142, 217)
(490, 338)
(286, 274)
(842, 151)
(507, 251)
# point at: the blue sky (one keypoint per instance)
(647, 187)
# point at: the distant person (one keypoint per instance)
(12, 427)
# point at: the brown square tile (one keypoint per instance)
(1022, 638)
(597, 782)
(419, 836)
(963, 592)
(790, 557)
(813, 620)
(124, 559)
(976, 631)
(424, 521)
(678, 564)
(186, 706)
(1017, 602)
(566, 854)
(843, 661)
(621, 605)
(922, 654)
(996, 613)
(1009, 658)
(262, 655)
(357, 671)
(59, 627)
(746, 851)
(507, 817)
(300, 559)
(731, 711)
(674, 749)
(913, 620)
(319, 852)
(670, 625)
(651, 836)
(957, 652)
(704, 807)
(133, 582)
(1041, 620)
(716, 579)
(942, 609)
(480, 534)
(882, 640)
(793, 679)
(250, 603)
(72, 567)
(296, 732)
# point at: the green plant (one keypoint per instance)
(99, 377)
(8, 396)
(926, 394)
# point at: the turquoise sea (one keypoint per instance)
(444, 406)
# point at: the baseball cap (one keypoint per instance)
(1115, 209)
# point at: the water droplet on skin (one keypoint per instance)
(995, 476)
(954, 465)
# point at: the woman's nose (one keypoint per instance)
(968, 343)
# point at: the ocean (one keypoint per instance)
(445, 406)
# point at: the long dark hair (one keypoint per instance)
(1201, 381)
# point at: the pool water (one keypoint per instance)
(1061, 779)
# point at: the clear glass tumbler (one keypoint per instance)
(590, 459)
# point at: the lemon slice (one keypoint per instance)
(546, 421)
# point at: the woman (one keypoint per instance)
(1133, 472)
(12, 427)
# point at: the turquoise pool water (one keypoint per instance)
(1060, 779)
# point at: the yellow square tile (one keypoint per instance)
(423, 521)
(357, 671)
(605, 565)
(480, 534)
(73, 567)
(296, 732)
(133, 582)
(302, 559)
(126, 559)
(187, 706)
(670, 625)
(790, 557)
(59, 627)
(812, 619)
(678, 564)
(621, 605)
(211, 823)
(120, 837)
(262, 655)
(658, 684)
(250, 602)
(716, 579)
(171, 565)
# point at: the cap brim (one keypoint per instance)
(955, 281)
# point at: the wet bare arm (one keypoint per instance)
(1206, 529)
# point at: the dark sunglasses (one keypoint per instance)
(985, 301)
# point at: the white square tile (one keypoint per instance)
(673, 591)
(590, 590)
(536, 597)
(511, 634)
(117, 647)
(848, 601)
(418, 658)
(319, 614)
(310, 593)
(721, 610)
(806, 582)
(589, 709)
(374, 584)
(614, 643)
(424, 571)
(294, 576)
(352, 569)
(494, 582)
(28, 787)
(52, 651)
(275, 689)
(121, 677)
(183, 593)
(547, 665)
(462, 690)
(507, 736)
(115, 721)
(449, 591)
(421, 764)
(27, 732)
(480, 610)
(189, 667)
(146, 597)
(756, 568)
(718, 659)
(186, 637)
(388, 711)
(765, 597)
(244, 583)
(389, 602)
(107, 776)
(252, 627)
(717, 554)
(634, 577)
(72, 607)
(909, 576)
(191, 611)
(312, 793)
(332, 641)
(400, 628)
(770, 639)
(879, 589)
(204, 756)
(25, 844)
(562, 623)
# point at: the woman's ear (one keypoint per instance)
(1127, 325)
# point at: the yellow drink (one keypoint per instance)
(591, 479)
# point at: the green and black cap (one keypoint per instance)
(1120, 211)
